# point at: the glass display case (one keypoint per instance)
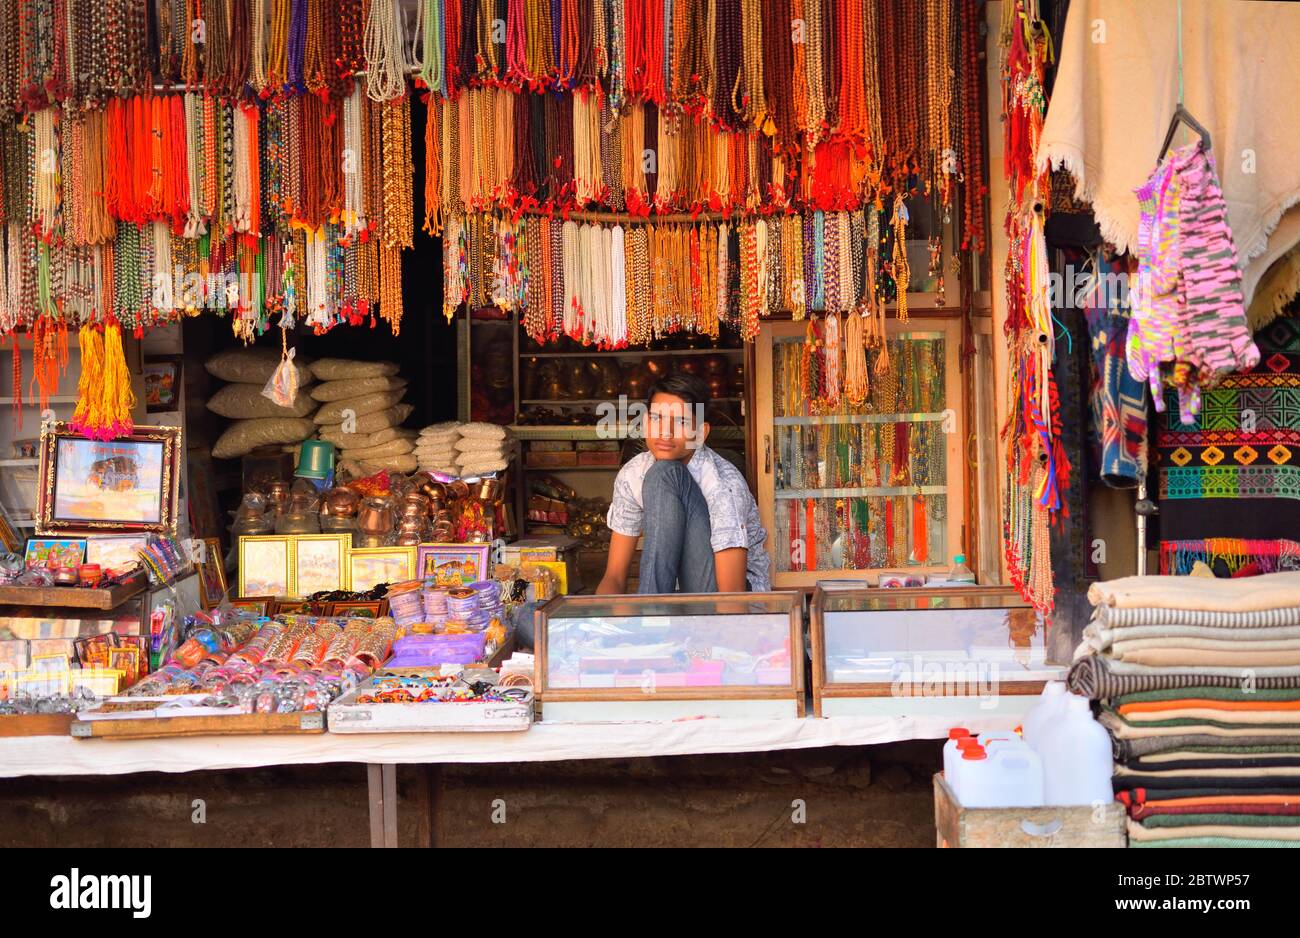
(947, 650)
(665, 657)
(848, 489)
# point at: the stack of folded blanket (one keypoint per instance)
(1199, 685)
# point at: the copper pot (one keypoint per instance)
(442, 532)
(658, 367)
(717, 386)
(487, 489)
(432, 488)
(277, 493)
(415, 503)
(340, 503)
(457, 490)
(444, 515)
(375, 518)
(411, 532)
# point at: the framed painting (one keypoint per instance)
(266, 565)
(124, 486)
(370, 566)
(162, 383)
(211, 566)
(115, 551)
(318, 562)
(370, 609)
(451, 565)
(290, 607)
(257, 605)
(54, 552)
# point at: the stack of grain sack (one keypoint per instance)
(1199, 685)
(361, 413)
(258, 421)
(463, 449)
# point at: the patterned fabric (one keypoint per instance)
(1112, 618)
(1189, 322)
(1095, 677)
(1118, 400)
(1179, 557)
(733, 513)
(1217, 336)
(1243, 446)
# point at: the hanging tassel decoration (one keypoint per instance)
(91, 343)
(104, 396)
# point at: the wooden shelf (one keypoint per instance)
(72, 597)
(586, 401)
(634, 353)
(525, 432)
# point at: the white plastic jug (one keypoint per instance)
(990, 736)
(1077, 764)
(1010, 775)
(951, 749)
(1049, 704)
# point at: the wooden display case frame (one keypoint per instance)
(823, 689)
(792, 691)
(957, 526)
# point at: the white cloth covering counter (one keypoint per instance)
(545, 742)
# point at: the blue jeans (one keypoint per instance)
(677, 549)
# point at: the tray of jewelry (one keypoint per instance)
(433, 702)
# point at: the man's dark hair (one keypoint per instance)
(692, 389)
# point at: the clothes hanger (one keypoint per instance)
(1183, 116)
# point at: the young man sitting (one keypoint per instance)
(701, 529)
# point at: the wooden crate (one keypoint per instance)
(35, 724)
(1081, 826)
(245, 724)
(74, 596)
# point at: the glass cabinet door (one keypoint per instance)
(848, 488)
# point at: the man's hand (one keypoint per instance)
(622, 548)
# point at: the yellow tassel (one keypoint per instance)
(91, 379)
(118, 398)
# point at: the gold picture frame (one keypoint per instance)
(322, 549)
(212, 574)
(266, 565)
(128, 485)
(370, 566)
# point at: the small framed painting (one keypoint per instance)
(266, 565)
(451, 565)
(370, 566)
(162, 383)
(318, 562)
(257, 605)
(129, 485)
(54, 552)
(115, 552)
(27, 449)
(212, 574)
(371, 609)
(290, 607)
